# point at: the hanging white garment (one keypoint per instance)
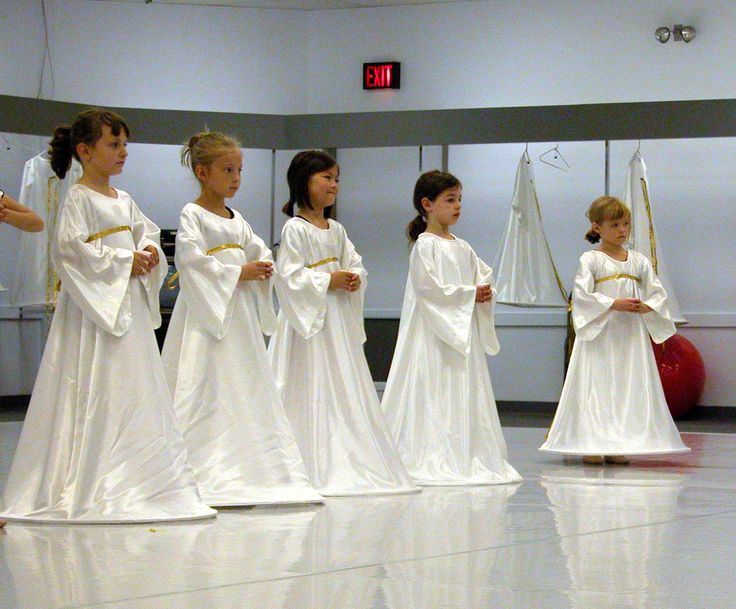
(43, 193)
(527, 276)
(612, 402)
(438, 400)
(100, 441)
(321, 371)
(238, 437)
(643, 232)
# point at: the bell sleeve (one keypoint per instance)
(485, 310)
(590, 309)
(659, 320)
(353, 262)
(446, 308)
(257, 250)
(95, 276)
(207, 285)
(302, 292)
(146, 233)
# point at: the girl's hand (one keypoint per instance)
(643, 308)
(141, 263)
(256, 271)
(627, 305)
(3, 212)
(154, 255)
(344, 280)
(483, 293)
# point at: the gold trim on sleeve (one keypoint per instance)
(321, 262)
(106, 233)
(171, 283)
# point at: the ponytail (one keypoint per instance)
(288, 208)
(592, 235)
(416, 227)
(60, 150)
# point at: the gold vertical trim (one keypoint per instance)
(549, 252)
(652, 237)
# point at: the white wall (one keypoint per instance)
(521, 53)
(131, 54)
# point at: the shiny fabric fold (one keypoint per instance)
(321, 371)
(438, 400)
(239, 439)
(612, 402)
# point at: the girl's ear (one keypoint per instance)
(426, 204)
(83, 150)
(596, 227)
(201, 172)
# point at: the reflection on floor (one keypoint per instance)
(656, 534)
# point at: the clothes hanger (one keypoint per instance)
(553, 157)
(526, 154)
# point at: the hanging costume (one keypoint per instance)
(321, 371)
(527, 276)
(438, 400)
(238, 437)
(100, 441)
(42, 191)
(643, 233)
(612, 402)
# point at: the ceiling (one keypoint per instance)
(305, 5)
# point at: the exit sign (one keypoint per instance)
(382, 75)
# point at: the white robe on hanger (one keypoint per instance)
(239, 440)
(527, 276)
(643, 231)
(100, 441)
(321, 371)
(34, 281)
(612, 402)
(438, 400)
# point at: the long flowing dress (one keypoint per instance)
(612, 402)
(321, 370)
(239, 439)
(100, 441)
(438, 400)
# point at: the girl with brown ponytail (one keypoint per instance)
(438, 399)
(100, 442)
(612, 404)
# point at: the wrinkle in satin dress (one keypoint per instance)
(612, 402)
(321, 370)
(239, 439)
(438, 400)
(100, 442)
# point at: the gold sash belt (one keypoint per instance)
(618, 276)
(171, 283)
(321, 262)
(105, 233)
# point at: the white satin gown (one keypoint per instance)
(438, 400)
(612, 402)
(321, 371)
(100, 442)
(239, 439)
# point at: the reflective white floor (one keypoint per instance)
(656, 534)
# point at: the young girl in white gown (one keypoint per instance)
(612, 403)
(438, 399)
(317, 351)
(239, 439)
(100, 441)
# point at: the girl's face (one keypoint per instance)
(614, 232)
(445, 209)
(222, 176)
(107, 155)
(323, 187)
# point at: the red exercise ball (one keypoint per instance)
(682, 372)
